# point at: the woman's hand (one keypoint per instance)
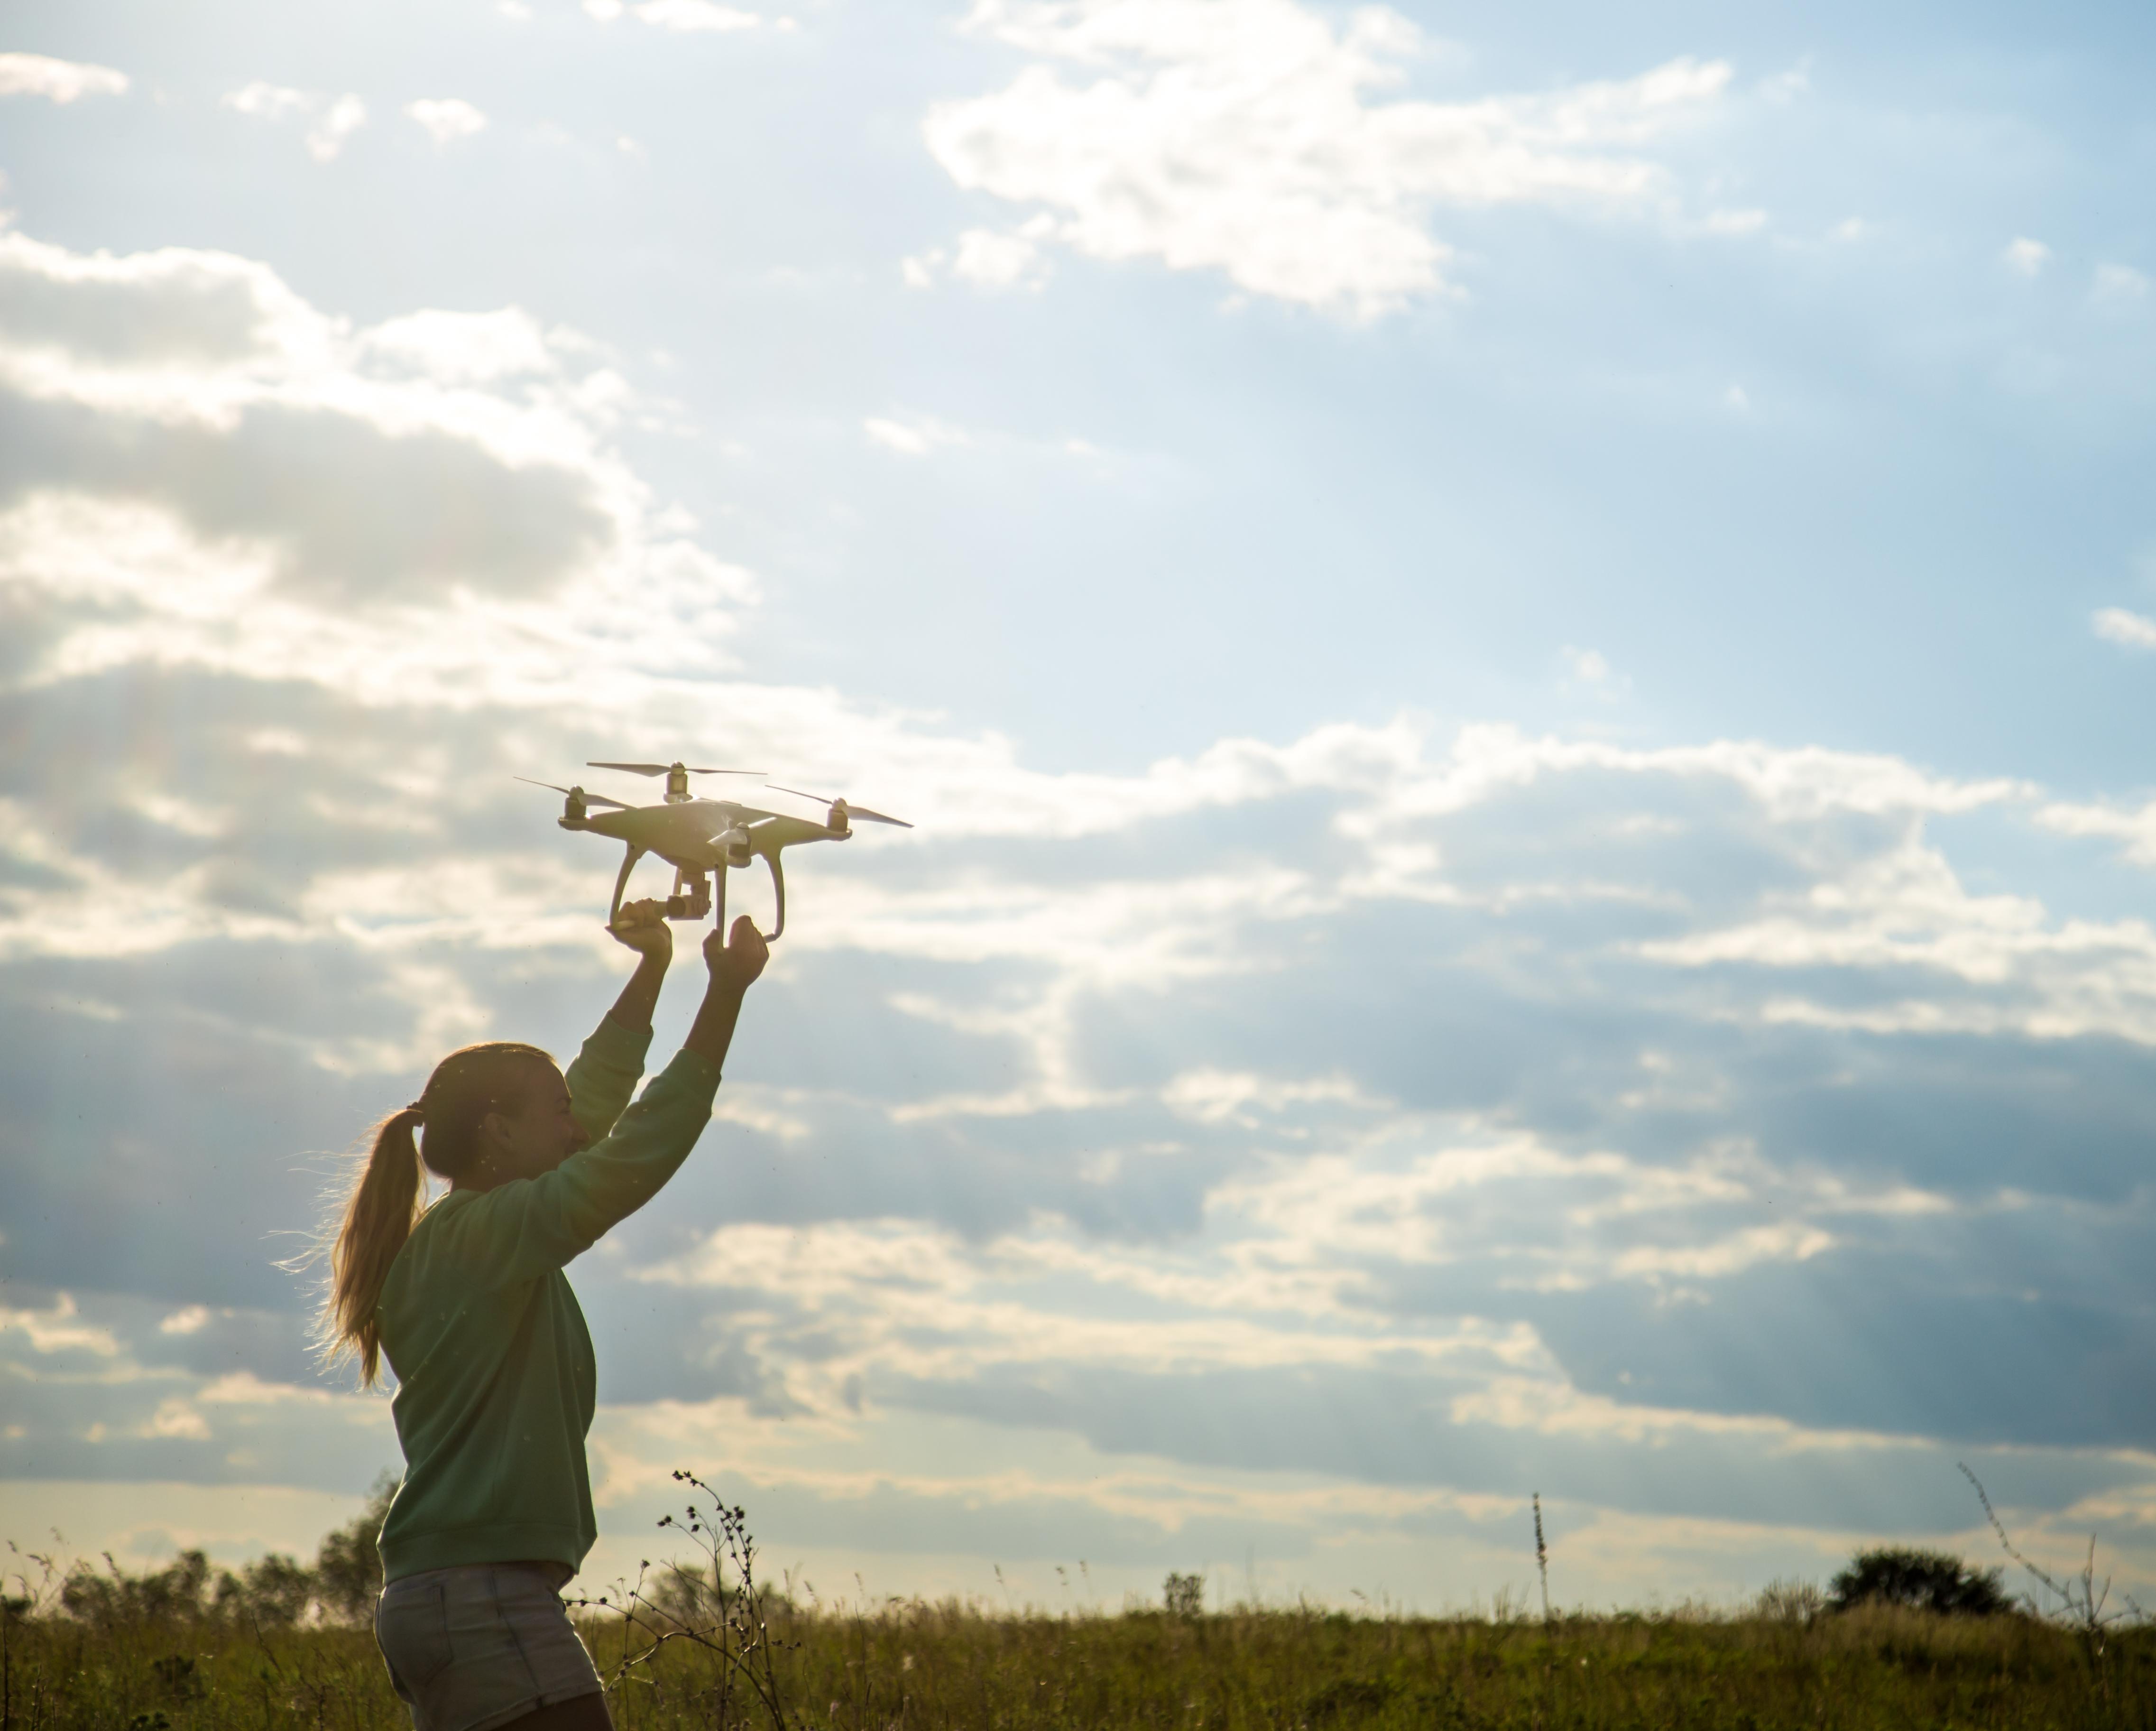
(641, 926)
(736, 958)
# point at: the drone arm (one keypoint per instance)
(772, 833)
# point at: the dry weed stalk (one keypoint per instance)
(1541, 1556)
(2082, 1604)
(679, 1607)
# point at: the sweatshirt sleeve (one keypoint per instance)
(530, 1226)
(603, 1075)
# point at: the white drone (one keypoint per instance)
(698, 837)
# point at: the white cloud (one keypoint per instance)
(1237, 135)
(1783, 88)
(696, 15)
(2027, 256)
(336, 118)
(1295, 1266)
(463, 347)
(912, 1299)
(987, 259)
(268, 101)
(2116, 624)
(914, 438)
(1236, 1072)
(57, 80)
(1588, 671)
(997, 261)
(2119, 285)
(2133, 827)
(174, 1417)
(440, 454)
(445, 119)
(343, 118)
(56, 1329)
(244, 1388)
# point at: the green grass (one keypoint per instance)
(944, 1666)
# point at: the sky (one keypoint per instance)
(1520, 641)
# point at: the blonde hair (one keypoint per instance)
(389, 1194)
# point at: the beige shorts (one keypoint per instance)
(474, 1647)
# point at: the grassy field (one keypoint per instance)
(188, 1647)
(921, 1665)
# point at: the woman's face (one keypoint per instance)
(531, 1136)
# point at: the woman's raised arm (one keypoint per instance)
(520, 1230)
(735, 958)
(642, 926)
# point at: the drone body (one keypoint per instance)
(700, 837)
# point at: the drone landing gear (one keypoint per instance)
(691, 899)
(695, 895)
(621, 883)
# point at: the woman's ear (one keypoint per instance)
(493, 1134)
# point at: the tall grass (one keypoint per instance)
(703, 1643)
(903, 1666)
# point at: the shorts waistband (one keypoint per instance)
(556, 1576)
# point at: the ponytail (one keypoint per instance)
(389, 1194)
(384, 1206)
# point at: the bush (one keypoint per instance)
(113, 1599)
(348, 1573)
(272, 1592)
(683, 1595)
(1184, 1595)
(1921, 1580)
(1789, 1601)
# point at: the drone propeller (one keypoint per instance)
(851, 811)
(575, 794)
(667, 768)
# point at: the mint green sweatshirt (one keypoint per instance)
(496, 1384)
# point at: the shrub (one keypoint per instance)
(1184, 1594)
(1789, 1601)
(348, 1568)
(114, 1599)
(1921, 1580)
(273, 1591)
(683, 1594)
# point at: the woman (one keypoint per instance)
(494, 1364)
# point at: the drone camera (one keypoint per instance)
(695, 904)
